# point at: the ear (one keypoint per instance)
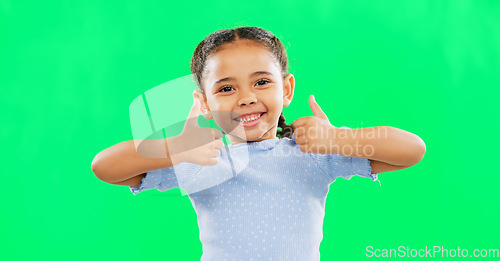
(205, 110)
(288, 88)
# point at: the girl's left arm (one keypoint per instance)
(388, 148)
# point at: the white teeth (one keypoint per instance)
(249, 119)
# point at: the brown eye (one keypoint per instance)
(226, 89)
(264, 81)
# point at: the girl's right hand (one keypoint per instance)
(195, 145)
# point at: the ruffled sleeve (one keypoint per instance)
(166, 178)
(336, 165)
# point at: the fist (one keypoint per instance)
(196, 145)
(315, 134)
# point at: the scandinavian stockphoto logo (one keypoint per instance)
(168, 111)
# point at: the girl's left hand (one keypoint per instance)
(315, 134)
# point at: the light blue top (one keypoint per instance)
(262, 201)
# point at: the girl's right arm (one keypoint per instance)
(121, 164)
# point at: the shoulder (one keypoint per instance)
(287, 143)
(290, 142)
(286, 147)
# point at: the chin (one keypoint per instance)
(250, 135)
(248, 138)
(251, 138)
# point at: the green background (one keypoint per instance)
(70, 69)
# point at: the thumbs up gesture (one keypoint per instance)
(196, 145)
(314, 133)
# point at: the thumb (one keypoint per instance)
(194, 113)
(317, 111)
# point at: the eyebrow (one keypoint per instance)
(251, 75)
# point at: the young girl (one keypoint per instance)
(263, 196)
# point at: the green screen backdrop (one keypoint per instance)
(70, 69)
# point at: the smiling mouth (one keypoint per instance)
(249, 118)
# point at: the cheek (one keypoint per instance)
(275, 108)
(216, 103)
(275, 102)
(221, 107)
(273, 96)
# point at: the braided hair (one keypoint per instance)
(284, 130)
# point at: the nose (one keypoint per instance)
(247, 98)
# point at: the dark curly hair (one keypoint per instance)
(213, 41)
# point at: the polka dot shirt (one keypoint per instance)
(262, 201)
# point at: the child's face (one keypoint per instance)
(247, 92)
